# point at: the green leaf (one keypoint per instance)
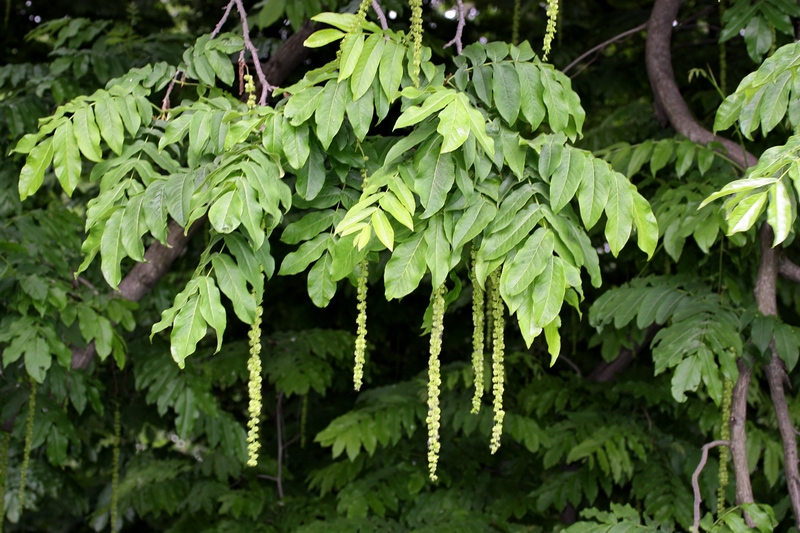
(391, 68)
(685, 157)
(686, 378)
(37, 359)
(320, 38)
(787, 344)
(513, 152)
(133, 227)
(310, 226)
(321, 287)
(367, 66)
(111, 250)
(531, 94)
(548, 292)
(567, 178)
(308, 252)
(352, 45)
(86, 134)
(645, 223)
(473, 221)
(746, 212)
(454, 124)
(232, 282)
(776, 100)
(295, 144)
(226, 213)
(155, 210)
(780, 212)
(529, 261)
(211, 307)
(221, 65)
(110, 124)
(330, 112)
(394, 207)
(593, 191)
(406, 267)
(742, 185)
(251, 214)
(439, 255)
(66, 158)
(188, 329)
(360, 113)
(435, 177)
(32, 174)
(553, 338)
(506, 91)
(619, 213)
(383, 228)
(555, 100)
(433, 103)
(500, 243)
(301, 106)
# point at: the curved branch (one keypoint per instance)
(789, 269)
(665, 90)
(603, 45)
(696, 479)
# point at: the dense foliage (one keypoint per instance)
(211, 237)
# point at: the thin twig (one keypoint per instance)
(696, 478)
(789, 270)
(459, 29)
(266, 88)
(279, 425)
(379, 13)
(218, 27)
(571, 364)
(603, 45)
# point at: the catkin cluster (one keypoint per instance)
(498, 350)
(250, 89)
(515, 22)
(550, 31)
(416, 38)
(115, 472)
(435, 381)
(26, 453)
(724, 451)
(477, 338)
(254, 388)
(361, 324)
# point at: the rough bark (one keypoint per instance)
(789, 270)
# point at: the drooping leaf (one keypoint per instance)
(406, 267)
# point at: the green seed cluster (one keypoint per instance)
(416, 37)
(254, 388)
(26, 453)
(361, 324)
(4, 445)
(550, 31)
(250, 89)
(361, 14)
(515, 23)
(477, 338)
(498, 350)
(115, 472)
(724, 451)
(435, 381)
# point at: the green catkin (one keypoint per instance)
(115, 471)
(416, 37)
(724, 451)
(435, 381)
(498, 350)
(515, 23)
(4, 445)
(254, 388)
(478, 319)
(26, 453)
(361, 325)
(250, 89)
(303, 421)
(550, 31)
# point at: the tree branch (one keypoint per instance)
(459, 29)
(379, 13)
(696, 480)
(789, 269)
(603, 45)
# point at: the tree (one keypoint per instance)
(468, 180)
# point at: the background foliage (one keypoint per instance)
(407, 160)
